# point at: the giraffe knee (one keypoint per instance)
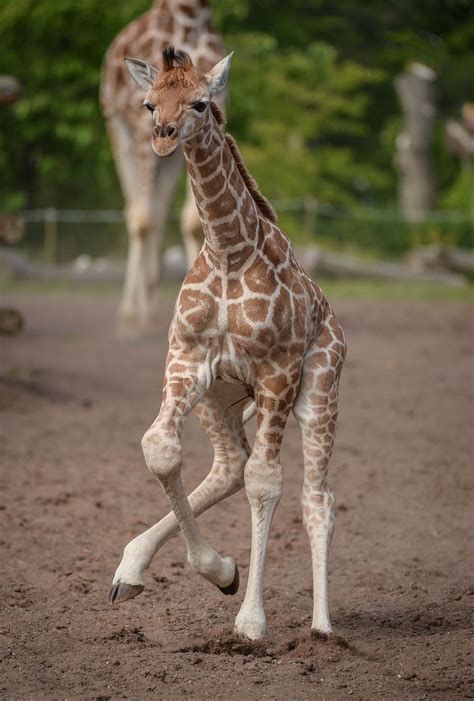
(229, 479)
(236, 478)
(263, 481)
(229, 468)
(317, 506)
(141, 229)
(162, 451)
(139, 222)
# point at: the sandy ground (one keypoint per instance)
(74, 404)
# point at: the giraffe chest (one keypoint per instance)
(244, 329)
(247, 295)
(252, 318)
(244, 315)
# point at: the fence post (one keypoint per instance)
(50, 235)
(309, 225)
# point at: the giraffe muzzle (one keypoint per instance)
(165, 139)
(164, 146)
(163, 131)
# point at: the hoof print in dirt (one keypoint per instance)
(330, 638)
(227, 644)
(123, 592)
(316, 645)
(233, 587)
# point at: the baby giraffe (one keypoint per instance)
(251, 334)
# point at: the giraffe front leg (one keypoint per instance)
(220, 571)
(263, 484)
(185, 386)
(163, 455)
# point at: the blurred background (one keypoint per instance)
(314, 105)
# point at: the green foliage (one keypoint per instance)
(306, 115)
(460, 195)
(334, 289)
(312, 100)
(53, 144)
(380, 233)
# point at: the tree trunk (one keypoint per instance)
(415, 89)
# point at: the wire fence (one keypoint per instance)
(61, 235)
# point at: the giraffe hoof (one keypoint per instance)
(121, 592)
(233, 587)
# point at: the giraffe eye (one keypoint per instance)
(199, 106)
(150, 107)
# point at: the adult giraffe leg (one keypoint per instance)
(316, 409)
(146, 217)
(225, 430)
(137, 217)
(148, 185)
(164, 188)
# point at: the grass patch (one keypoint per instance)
(334, 289)
(395, 291)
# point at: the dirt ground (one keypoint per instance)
(74, 404)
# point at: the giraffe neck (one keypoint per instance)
(229, 215)
(189, 15)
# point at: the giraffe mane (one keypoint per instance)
(171, 56)
(178, 69)
(262, 203)
(218, 113)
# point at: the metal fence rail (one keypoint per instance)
(49, 229)
(309, 204)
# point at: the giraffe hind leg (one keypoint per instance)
(316, 409)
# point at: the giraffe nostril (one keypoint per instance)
(171, 131)
(156, 132)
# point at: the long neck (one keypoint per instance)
(186, 15)
(229, 215)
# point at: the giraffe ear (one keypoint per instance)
(142, 73)
(217, 76)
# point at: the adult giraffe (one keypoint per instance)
(250, 329)
(148, 183)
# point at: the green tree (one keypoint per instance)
(312, 100)
(53, 147)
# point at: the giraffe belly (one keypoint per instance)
(235, 375)
(235, 366)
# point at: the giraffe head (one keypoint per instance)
(177, 96)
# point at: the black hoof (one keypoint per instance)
(123, 592)
(233, 587)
